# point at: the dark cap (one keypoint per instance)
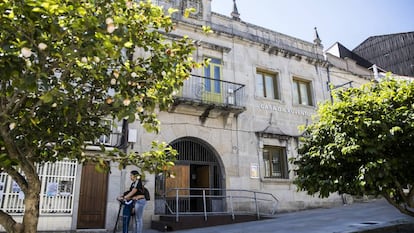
(134, 172)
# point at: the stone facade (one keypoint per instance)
(240, 139)
(251, 136)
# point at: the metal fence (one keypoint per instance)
(57, 190)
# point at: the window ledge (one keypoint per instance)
(304, 106)
(277, 180)
(261, 98)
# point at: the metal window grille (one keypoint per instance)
(106, 139)
(113, 138)
(57, 190)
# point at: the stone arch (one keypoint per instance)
(198, 167)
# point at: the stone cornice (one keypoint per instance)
(203, 44)
(276, 46)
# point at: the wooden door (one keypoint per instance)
(181, 180)
(92, 198)
(203, 177)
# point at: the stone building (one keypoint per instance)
(235, 125)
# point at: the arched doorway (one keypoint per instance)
(198, 171)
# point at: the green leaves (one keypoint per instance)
(160, 158)
(47, 97)
(188, 11)
(362, 143)
(395, 130)
(128, 44)
(172, 11)
(6, 161)
(68, 64)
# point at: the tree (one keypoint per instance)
(362, 143)
(65, 65)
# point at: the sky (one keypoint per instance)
(348, 22)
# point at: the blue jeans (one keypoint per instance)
(126, 216)
(139, 213)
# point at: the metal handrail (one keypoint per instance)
(255, 197)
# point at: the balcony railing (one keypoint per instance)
(210, 91)
(213, 93)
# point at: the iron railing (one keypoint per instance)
(212, 91)
(215, 201)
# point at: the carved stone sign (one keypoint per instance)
(275, 108)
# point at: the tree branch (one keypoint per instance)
(8, 142)
(410, 196)
(401, 191)
(402, 209)
(8, 222)
(16, 176)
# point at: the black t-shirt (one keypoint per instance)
(138, 185)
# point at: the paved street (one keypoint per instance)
(356, 217)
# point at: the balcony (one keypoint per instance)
(211, 94)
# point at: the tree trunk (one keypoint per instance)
(31, 206)
(31, 213)
(31, 209)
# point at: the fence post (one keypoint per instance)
(231, 206)
(257, 206)
(204, 205)
(176, 205)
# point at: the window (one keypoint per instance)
(113, 134)
(302, 92)
(275, 162)
(212, 83)
(213, 73)
(266, 85)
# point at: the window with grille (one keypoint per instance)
(57, 191)
(267, 85)
(275, 162)
(106, 139)
(302, 93)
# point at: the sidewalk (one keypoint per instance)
(374, 216)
